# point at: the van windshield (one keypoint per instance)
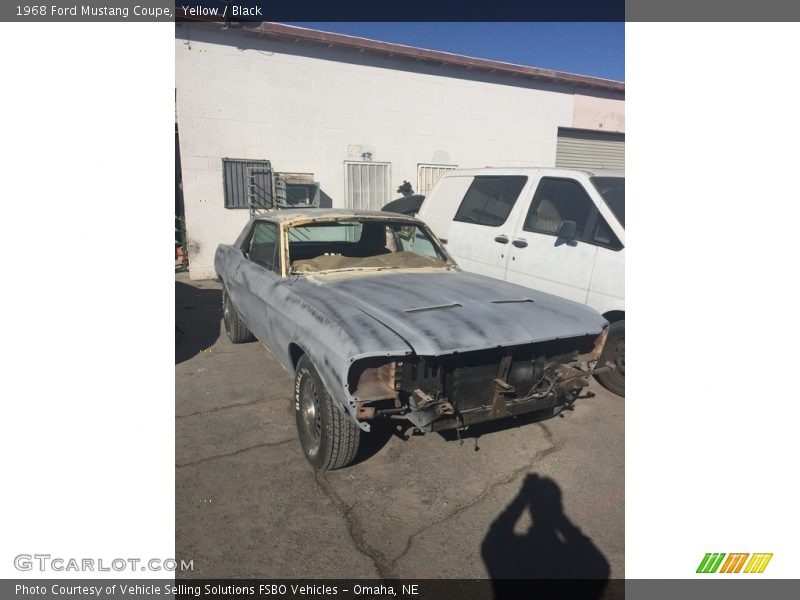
(361, 244)
(612, 189)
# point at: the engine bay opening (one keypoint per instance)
(475, 386)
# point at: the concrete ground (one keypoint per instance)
(517, 498)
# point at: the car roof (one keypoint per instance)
(530, 170)
(311, 214)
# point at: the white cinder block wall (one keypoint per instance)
(309, 108)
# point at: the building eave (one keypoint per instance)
(360, 44)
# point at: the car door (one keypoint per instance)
(257, 277)
(538, 257)
(482, 226)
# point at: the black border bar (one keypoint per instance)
(410, 10)
(700, 588)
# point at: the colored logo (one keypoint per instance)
(734, 563)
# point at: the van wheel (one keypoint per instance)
(234, 326)
(614, 352)
(328, 437)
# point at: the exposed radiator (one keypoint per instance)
(473, 386)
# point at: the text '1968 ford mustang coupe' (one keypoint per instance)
(376, 321)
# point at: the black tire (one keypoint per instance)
(408, 205)
(614, 352)
(328, 437)
(234, 326)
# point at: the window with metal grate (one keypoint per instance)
(428, 175)
(367, 185)
(247, 183)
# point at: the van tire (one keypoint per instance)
(328, 436)
(614, 352)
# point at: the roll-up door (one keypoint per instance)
(583, 149)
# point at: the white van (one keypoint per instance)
(556, 230)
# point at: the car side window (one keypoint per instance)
(555, 201)
(263, 246)
(410, 238)
(489, 199)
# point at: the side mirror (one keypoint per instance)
(566, 230)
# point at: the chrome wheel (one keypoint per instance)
(328, 436)
(226, 311)
(310, 415)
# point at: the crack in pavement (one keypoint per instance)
(386, 567)
(354, 530)
(554, 447)
(215, 457)
(227, 406)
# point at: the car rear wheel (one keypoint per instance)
(614, 352)
(234, 326)
(328, 437)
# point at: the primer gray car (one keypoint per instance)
(375, 320)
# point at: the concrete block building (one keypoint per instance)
(270, 114)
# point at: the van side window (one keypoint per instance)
(603, 236)
(558, 200)
(489, 199)
(263, 247)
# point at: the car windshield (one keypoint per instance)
(612, 189)
(361, 244)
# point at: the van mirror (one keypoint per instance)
(566, 230)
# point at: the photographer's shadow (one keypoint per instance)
(552, 548)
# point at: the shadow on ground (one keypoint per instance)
(373, 442)
(198, 313)
(552, 547)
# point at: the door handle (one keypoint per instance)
(501, 239)
(520, 243)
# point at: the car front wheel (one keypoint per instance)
(327, 435)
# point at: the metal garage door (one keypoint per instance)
(579, 148)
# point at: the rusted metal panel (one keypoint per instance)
(502, 388)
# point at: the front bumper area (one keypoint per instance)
(437, 393)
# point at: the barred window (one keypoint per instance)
(247, 183)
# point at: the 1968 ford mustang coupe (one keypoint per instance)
(375, 320)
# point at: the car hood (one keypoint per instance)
(447, 311)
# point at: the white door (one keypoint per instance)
(480, 234)
(542, 260)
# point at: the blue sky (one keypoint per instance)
(596, 49)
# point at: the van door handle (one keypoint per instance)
(501, 239)
(520, 243)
